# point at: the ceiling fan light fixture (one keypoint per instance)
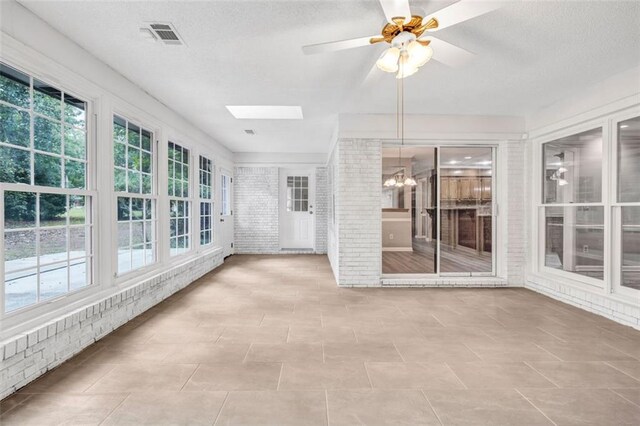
(419, 54)
(406, 67)
(388, 61)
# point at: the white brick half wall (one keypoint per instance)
(27, 356)
(256, 210)
(359, 214)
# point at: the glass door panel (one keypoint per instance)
(466, 210)
(409, 211)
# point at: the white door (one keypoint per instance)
(226, 213)
(297, 201)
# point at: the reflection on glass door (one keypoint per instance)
(442, 224)
(466, 210)
(409, 222)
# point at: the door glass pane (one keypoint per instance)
(629, 161)
(409, 211)
(466, 214)
(574, 240)
(631, 247)
(573, 169)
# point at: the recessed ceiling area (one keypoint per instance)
(265, 112)
(528, 55)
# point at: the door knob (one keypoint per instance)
(310, 212)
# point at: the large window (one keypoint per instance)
(573, 204)
(628, 198)
(179, 202)
(206, 201)
(47, 223)
(133, 156)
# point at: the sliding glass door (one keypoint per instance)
(466, 211)
(437, 210)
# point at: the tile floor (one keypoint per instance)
(272, 340)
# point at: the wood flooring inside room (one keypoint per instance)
(273, 340)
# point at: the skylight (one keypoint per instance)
(265, 112)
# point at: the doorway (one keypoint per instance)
(226, 213)
(297, 200)
(444, 224)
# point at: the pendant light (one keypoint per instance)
(399, 180)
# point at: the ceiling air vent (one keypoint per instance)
(250, 132)
(166, 33)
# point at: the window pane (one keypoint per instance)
(53, 245)
(78, 276)
(75, 143)
(133, 135)
(120, 180)
(14, 126)
(123, 208)
(19, 250)
(631, 247)
(14, 86)
(574, 240)
(77, 210)
(47, 135)
(53, 209)
(120, 155)
(15, 165)
(119, 130)
(21, 289)
(573, 169)
(47, 100)
(78, 242)
(133, 182)
(74, 174)
(629, 161)
(74, 111)
(47, 170)
(146, 140)
(53, 281)
(19, 209)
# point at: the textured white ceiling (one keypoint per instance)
(529, 55)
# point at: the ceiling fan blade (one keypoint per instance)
(334, 46)
(462, 11)
(448, 53)
(395, 8)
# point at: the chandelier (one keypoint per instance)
(399, 179)
(405, 56)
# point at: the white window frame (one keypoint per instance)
(539, 206)
(24, 63)
(211, 201)
(615, 284)
(190, 199)
(130, 117)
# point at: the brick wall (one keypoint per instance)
(321, 210)
(256, 213)
(332, 219)
(359, 213)
(515, 213)
(28, 355)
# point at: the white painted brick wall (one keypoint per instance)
(321, 209)
(359, 213)
(515, 213)
(256, 210)
(256, 214)
(27, 356)
(332, 219)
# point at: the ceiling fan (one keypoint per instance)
(409, 36)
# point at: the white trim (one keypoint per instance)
(397, 249)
